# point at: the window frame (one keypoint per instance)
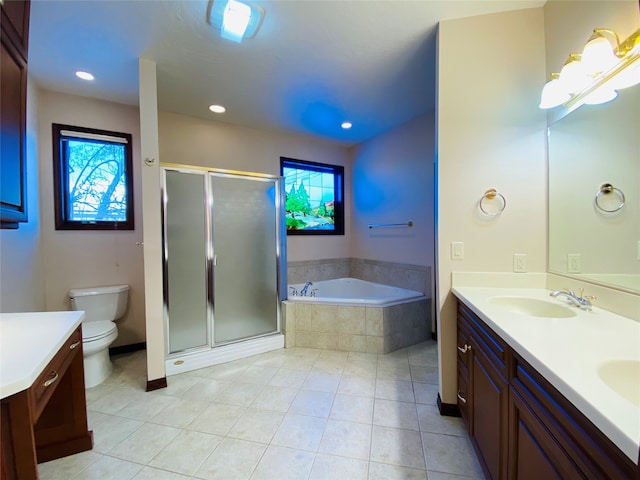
(61, 178)
(338, 188)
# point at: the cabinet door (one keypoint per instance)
(464, 399)
(533, 452)
(13, 99)
(489, 394)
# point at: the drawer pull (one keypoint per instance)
(52, 379)
(74, 345)
(461, 398)
(464, 349)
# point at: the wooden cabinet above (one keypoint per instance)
(14, 37)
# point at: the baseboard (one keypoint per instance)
(156, 384)
(448, 409)
(134, 347)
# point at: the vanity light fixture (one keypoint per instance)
(594, 76)
(236, 19)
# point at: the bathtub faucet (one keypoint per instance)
(303, 292)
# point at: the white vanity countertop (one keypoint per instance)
(28, 342)
(568, 352)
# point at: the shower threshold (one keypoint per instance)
(225, 353)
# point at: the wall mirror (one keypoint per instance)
(593, 146)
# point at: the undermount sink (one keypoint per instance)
(623, 377)
(532, 307)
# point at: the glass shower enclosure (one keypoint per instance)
(223, 234)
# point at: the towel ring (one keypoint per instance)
(491, 194)
(607, 189)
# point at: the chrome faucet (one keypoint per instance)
(303, 292)
(583, 302)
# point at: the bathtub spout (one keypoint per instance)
(303, 292)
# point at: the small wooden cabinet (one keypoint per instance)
(520, 425)
(49, 419)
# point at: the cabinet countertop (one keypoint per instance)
(568, 352)
(28, 342)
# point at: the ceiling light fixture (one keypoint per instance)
(346, 125)
(236, 19)
(217, 108)
(84, 75)
(595, 76)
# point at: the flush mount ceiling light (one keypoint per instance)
(236, 19)
(217, 108)
(595, 76)
(84, 75)
(346, 125)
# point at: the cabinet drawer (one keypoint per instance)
(46, 383)
(494, 347)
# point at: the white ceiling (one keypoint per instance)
(313, 64)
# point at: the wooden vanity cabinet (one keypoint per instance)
(520, 425)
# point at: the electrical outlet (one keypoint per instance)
(574, 263)
(519, 262)
(457, 250)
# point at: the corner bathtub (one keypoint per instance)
(351, 291)
(356, 316)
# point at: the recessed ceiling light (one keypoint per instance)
(84, 75)
(346, 125)
(217, 108)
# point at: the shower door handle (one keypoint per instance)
(215, 260)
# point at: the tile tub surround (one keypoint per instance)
(411, 277)
(360, 329)
(321, 415)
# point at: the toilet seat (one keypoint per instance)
(92, 331)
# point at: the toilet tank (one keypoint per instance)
(100, 303)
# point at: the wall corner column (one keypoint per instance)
(151, 224)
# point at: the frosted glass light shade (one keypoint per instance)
(598, 55)
(627, 78)
(573, 76)
(553, 94)
(600, 95)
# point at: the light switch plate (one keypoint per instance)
(519, 262)
(457, 250)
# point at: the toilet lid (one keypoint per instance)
(95, 330)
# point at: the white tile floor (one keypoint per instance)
(290, 414)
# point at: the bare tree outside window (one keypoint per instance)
(93, 179)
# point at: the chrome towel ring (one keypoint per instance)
(488, 198)
(605, 190)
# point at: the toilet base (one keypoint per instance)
(97, 367)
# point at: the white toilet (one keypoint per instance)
(102, 306)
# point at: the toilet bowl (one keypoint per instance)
(102, 307)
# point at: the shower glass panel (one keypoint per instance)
(186, 242)
(245, 245)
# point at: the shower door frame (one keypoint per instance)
(209, 255)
